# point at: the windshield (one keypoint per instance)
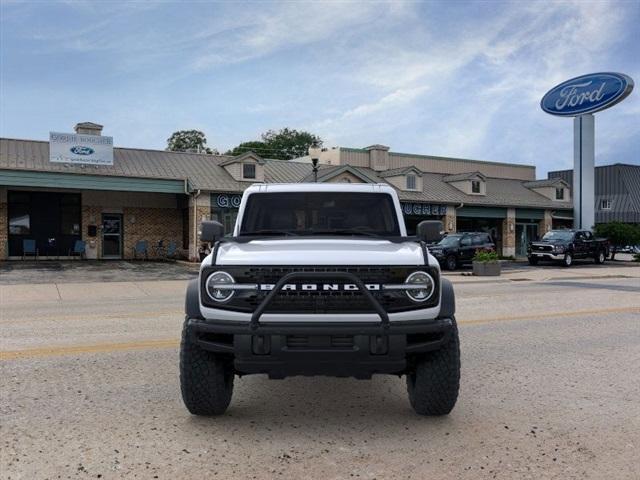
(449, 241)
(318, 213)
(558, 235)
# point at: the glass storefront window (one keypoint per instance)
(19, 220)
(70, 220)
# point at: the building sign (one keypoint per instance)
(423, 209)
(80, 149)
(227, 200)
(579, 98)
(587, 94)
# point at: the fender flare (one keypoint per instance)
(448, 300)
(192, 300)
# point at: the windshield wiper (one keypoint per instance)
(269, 232)
(346, 231)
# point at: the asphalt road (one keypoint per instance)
(550, 387)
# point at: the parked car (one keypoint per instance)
(458, 249)
(565, 246)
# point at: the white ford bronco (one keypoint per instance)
(320, 279)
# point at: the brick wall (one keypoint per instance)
(545, 224)
(509, 233)
(152, 225)
(449, 220)
(202, 213)
(92, 216)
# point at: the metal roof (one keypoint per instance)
(620, 184)
(392, 172)
(463, 176)
(205, 172)
(547, 182)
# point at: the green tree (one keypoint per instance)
(619, 234)
(283, 144)
(287, 144)
(188, 141)
(256, 147)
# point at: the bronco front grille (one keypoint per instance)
(341, 301)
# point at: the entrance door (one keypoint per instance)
(111, 235)
(525, 233)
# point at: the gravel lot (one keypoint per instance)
(549, 390)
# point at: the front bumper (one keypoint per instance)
(336, 349)
(546, 255)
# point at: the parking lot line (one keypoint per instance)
(99, 348)
(178, 313)
(151, 344)
(543, 316)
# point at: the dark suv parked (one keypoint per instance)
(459, 248)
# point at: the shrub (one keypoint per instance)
(483, 256)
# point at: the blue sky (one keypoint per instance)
(441, 78)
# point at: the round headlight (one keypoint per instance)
(426, 286)
(215, 286)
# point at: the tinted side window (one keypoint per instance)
(478, 239)
(465, 242)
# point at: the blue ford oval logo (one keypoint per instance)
(587, 94)
(79, 150)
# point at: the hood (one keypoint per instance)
(327, 251)
(550, 242)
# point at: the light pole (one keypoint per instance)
(314, 153)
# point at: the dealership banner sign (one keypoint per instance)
(80, 149)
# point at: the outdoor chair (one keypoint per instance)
(172, 249)
(29, 248)
(142, 249)
(159, 249)
(79, 248)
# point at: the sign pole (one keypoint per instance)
(579, 98)
(583, 171)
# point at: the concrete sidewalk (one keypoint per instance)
(90, 291)
(45, 271)
(523, 272)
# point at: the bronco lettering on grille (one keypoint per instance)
(314, 287)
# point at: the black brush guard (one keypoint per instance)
(382, 313)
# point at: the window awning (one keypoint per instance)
(29, 178)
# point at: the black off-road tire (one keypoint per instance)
(206, 378)
(532, 260)
(600, 257)
(567, 261)
(433, 386)
(451, 263)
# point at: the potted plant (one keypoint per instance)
(486, 264)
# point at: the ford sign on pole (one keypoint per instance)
(580, 97)
(76, 148)
(587, 94)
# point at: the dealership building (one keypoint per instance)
(127, 195)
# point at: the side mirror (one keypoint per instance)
(211, 231)
(430, 231)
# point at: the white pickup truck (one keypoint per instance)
(320, 279)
